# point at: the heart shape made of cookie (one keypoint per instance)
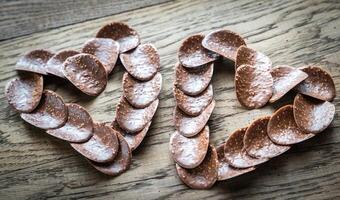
(257, 83)
(107, 146)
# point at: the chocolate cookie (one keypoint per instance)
(127, 37)
(79, 125)
(105, 50)
(133, 119)
(254, 86)
(55, 64)
(121, 162)
(192, 54)
(319, 84)
(50, 113)
(102, 147)
(142, 63)
(86, 73)
(223, 42)
(285, 78)
(249, 56)
(24, 93)
(225, 171)
(189, 126)
(258, 144)
(193, 105)
(282, 128)
(312, 115)
(193, 82)
(205, 175)
(189, 152)
(34, 61)
(133, 139)
(235, 154)
(141, 94)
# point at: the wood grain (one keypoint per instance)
(22, 17)
(34, 165)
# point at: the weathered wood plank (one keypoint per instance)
(21, 17)
(36, 166)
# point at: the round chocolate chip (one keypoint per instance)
(249, 56)
(312, 115)
(258, 144)
(127, 37)
(189, 152)
(189, 126)
(254, 86)
(192, 54)
(236, 155)
(133, 119)
(226, 171)
(24, 93)
(205, 175)
(121, 162)
(79, 125)
(133, 139)
(193, 82)
(142, 63)
(86, 73)
(102, 146)
(193, 105)
(141, 94)
(34, 61)
(285, 78)
(105, 50)
(56, 63)
(223, 42)
(319, 84)
(282, 128)
(50, 113)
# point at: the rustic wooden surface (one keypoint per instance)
(34, 165)
(22, 17)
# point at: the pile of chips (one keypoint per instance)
(199, 164)
(107, 147)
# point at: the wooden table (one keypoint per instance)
(34, 165)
